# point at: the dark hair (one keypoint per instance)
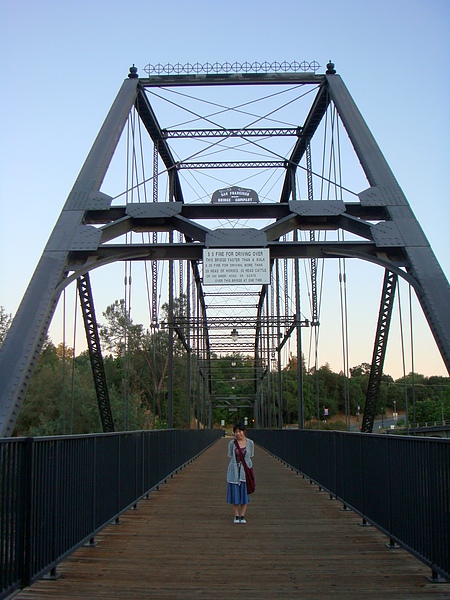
(240, 426)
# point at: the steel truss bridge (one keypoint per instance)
(166, 214)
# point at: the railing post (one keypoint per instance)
(436, 578)
(27, 511)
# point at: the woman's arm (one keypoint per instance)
(251, 448)
(230, 448)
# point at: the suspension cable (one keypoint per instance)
(63, 399)
(72, 395)
(127, 276)
(413, 387)
(342, 279)
(142, 165)
(224, 108)
(405, 387)
(344, 336)
(154, 315)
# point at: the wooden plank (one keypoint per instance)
(182, 544)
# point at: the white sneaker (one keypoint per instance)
(243, 520)
(237, 519)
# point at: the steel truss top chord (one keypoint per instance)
(242, 164)
(231, 294)
(224, 133)
(230, 321)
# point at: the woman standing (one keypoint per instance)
(237, 486)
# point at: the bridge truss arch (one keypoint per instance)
(267, 149)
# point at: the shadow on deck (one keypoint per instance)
(181, 543)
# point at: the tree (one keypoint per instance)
(5, 323)
(360, 370)
(61, 397)
(120, 333)
(356, 396)
(144, 358)
(330, 386)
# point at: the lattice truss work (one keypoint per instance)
(319, 186)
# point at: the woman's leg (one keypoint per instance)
(232, 497)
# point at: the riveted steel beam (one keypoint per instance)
(309, 128)
(402, 229)
(225, 133)
(20, 350)
(379, 353)
(230, 79)
(150, 122)
(95, 352)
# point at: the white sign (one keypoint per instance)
(236, 266)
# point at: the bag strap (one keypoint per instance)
(241, 453)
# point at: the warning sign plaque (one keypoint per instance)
(236, 266)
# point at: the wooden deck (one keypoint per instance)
(181, 543)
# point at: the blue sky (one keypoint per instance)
(63, 63)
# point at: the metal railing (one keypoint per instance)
(443, 423)
(401, 485)
(56, 493)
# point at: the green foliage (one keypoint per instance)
(61, 397)
(433, 408)
(120, 334)
(360, 370)
(327, 426)
(5, 323)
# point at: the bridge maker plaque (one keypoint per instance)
(234, 194)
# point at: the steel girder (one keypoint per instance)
(21, 348)
(402, 227)
(220, 133)
(95, 352)
(150, 121)
(391, 236)
(376, 371)
(313, 120)
(230, 79)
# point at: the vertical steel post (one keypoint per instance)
(189, 352)
(171, 345)
(278, 348)
(269, 359)
(301, 418)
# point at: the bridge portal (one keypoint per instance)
(234, 173)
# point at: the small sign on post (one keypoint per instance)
(236, 266)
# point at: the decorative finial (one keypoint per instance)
(330, 69)
(133, 72)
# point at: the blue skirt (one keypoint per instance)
(237, 494)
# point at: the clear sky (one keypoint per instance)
(63, 63)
